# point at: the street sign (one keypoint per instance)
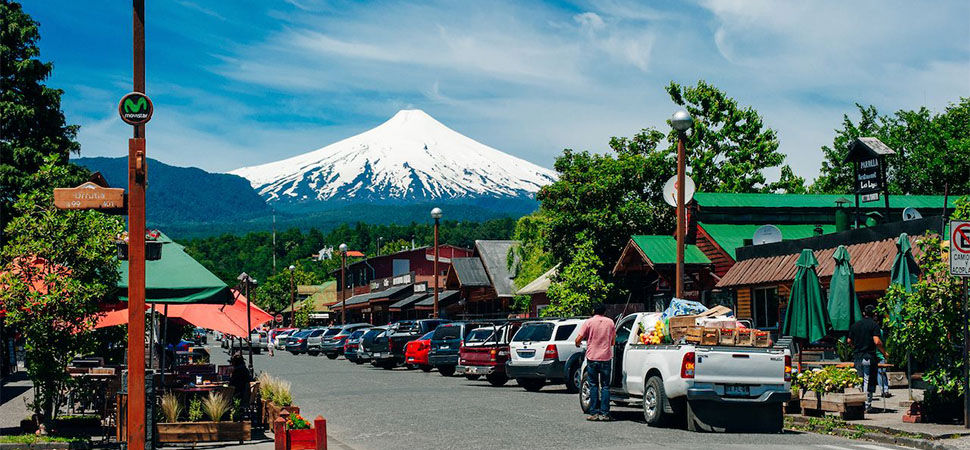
(135, 108)
(279, 318)
(959, 248)
(670, 190)
(89, 196)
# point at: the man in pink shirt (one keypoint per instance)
(599, 333)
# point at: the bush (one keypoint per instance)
(195, 410)
(829, 379)
(216, 406)
(275, 390)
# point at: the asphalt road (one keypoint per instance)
(370, 408)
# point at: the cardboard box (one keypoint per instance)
(691, 320)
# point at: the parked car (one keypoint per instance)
(447, 341)
(368, 346)
(544, 352)
(314, 340)
(275, 334)
(489, 356)
(333, 340)
(297, 343)
(352, 344)
(732, 388)
(397, 337)
(416, 352)
(255, 337)
(200, 336)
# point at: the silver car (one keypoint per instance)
(314, 340)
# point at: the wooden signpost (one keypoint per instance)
(868, 158)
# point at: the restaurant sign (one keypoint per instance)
(868, 177)
(89, 196)
(959, 248)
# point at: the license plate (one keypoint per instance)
(734, 390)
(444, 347)
(526, 353)
(475, 370)
(379, 355)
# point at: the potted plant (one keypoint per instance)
(276, 397)
(215, 407)
(832, 389)
(153, 247)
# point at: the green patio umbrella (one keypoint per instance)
(843, 305)
(905, 271)
(176, 278)
(806, 317)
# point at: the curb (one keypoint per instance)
(883, 435)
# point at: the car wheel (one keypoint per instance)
(472, 377)
(313, 353)
(531, 384)
(446, 371)
(497, 379)
(358, 361)
(331, 355)
(585, 393)
(654, 402)
(425, 367)
(388, 365)
(573, 381)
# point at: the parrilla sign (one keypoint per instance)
(135, 108)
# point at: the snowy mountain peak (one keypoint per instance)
(409, 158)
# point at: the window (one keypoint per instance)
(764, 308)
(448, 332)
(534, 332)
(623, 332)
(332, 332)
(562, 334)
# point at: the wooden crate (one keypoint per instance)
(727, 336)
(761, 338)
(849, 405)
(694, 334)
(745, 337)
(710, 336)
(682, 321)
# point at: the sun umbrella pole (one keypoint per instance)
(151, 340)
(164, 341)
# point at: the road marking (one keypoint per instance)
(873, 447)
(836, 447)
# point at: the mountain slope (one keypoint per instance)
(411, 158)
(179, 195)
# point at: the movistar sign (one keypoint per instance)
(135, 108)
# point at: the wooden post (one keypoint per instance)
(279, 434)
(320, 429)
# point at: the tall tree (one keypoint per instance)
(729, 145)
(32, 126)
(578, 287)
(56, 268)
(932, 150)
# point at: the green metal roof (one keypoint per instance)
(731, 200)
(732, 236)
(663, 250)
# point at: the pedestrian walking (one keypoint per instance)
(600, 336)
(866, 338)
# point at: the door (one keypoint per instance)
(622, 336)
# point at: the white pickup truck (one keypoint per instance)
(716, 388)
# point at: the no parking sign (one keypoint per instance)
(959, 248)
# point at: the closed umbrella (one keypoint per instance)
(905, 272)
(806, 318)
(843, 305)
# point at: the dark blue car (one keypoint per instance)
(447, 341)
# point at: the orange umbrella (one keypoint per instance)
(228, 319)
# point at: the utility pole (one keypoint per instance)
(137, 174)
(436, 215)
(681, 121)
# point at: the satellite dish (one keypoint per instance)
(670, 190)
(911, 213)
(766, 234)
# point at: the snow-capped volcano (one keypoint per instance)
(411, 157)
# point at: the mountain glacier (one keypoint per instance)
(411, 158)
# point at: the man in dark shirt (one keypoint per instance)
(865, 338)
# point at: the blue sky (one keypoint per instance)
(239, 83)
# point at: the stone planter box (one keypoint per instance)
(850, 404)
(203, 432)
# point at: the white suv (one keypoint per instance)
(545, 351)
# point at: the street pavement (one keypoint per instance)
(370, 408)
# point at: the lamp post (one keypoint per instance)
(681, 121)
(343, 284)
(379, 239)
(292, 296)
(436, 215)
(246, 280)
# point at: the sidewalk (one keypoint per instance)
(14, 394)
(889, 416)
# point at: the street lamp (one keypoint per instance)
(436, 215)
(343, 284)
(379, 239)
(681, 121)
(292, 296)
(246, 280)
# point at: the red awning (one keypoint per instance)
(229, 319)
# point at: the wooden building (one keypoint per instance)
(647, 269)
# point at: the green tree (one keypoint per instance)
(529, 260)
(57, 266)
(578, 286)
(932, 150)
(32, 126)
(275, 293)
(729, 146)
(302, 316)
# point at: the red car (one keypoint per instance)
(488, 357)
(416, 352)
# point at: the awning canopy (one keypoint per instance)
(407, 301)
(444, 297)
(541, 284)
(176, 278)
(229, 319)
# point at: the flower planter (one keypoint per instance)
(153, 250)
(76, 427)
(850, 404)
(314, 438)
(204, 431)
(271, 411)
